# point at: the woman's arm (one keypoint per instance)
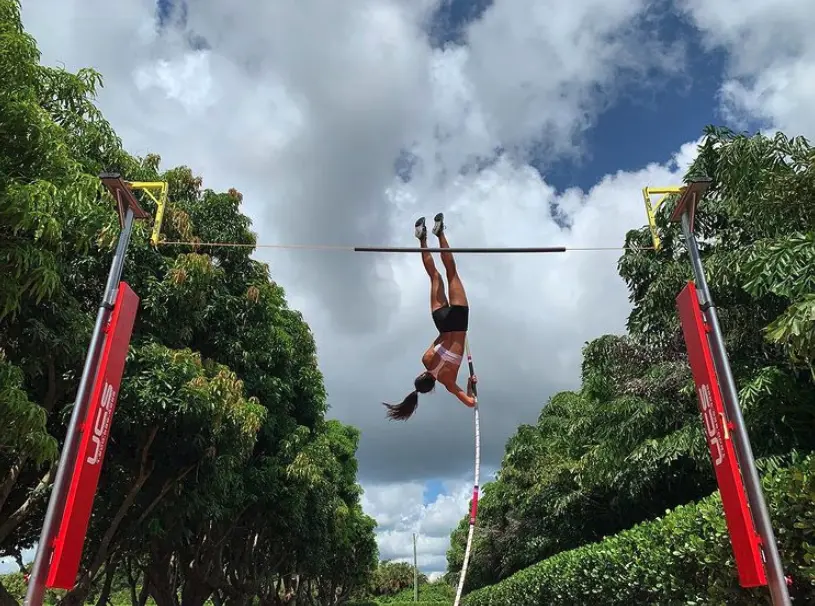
(466, 398)
(427, 357)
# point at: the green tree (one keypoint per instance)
(392, 577)
(628, 444)
(222, 478)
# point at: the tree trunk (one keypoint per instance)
(6, 599)
(76, 596)
(16, 518)
(163, 595)
(103, 551)
(145, 592)
(299, 590)
(52, 393)
(104, 595)
(161, 585)
(131, 581)
(17, 467)
(195, 591)
(345, 593)
(238, 600)
(11, 479)
(163, 492)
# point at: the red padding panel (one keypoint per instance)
(743, 536)
(95, 430)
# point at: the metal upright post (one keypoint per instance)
(129, 210)
(685, 212)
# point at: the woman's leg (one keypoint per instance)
(438, 298)
(457, 294)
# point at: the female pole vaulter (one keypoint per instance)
(443, 358)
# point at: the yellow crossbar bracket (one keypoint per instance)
(160, 198)
(652, 209)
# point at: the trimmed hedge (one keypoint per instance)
(429, 593)
(682, 558)
(426, 598)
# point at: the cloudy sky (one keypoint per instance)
(526, 123)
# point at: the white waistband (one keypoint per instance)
(446, 354)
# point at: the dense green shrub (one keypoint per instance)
(430, 593)
(682, 558)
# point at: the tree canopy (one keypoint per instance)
(628, 443)
(223, 480)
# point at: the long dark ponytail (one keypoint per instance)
(405, 409)
(424, 383)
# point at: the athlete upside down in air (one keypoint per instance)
(443, 358)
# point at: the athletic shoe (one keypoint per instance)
(420, 229)
(438, 227)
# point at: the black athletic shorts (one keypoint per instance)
(452, 318)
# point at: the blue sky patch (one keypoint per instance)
(170, 13)
(648, 122)
(432, 489)
(651, 120)
(404, 165)
(449, 23)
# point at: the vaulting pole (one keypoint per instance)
(474, 506)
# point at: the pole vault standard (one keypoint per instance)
(62, 537)
(684, 212)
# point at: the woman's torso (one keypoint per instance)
(444, 358)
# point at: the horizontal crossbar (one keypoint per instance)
(397, 249)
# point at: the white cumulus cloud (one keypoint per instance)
(771, 58)
(401, 513)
